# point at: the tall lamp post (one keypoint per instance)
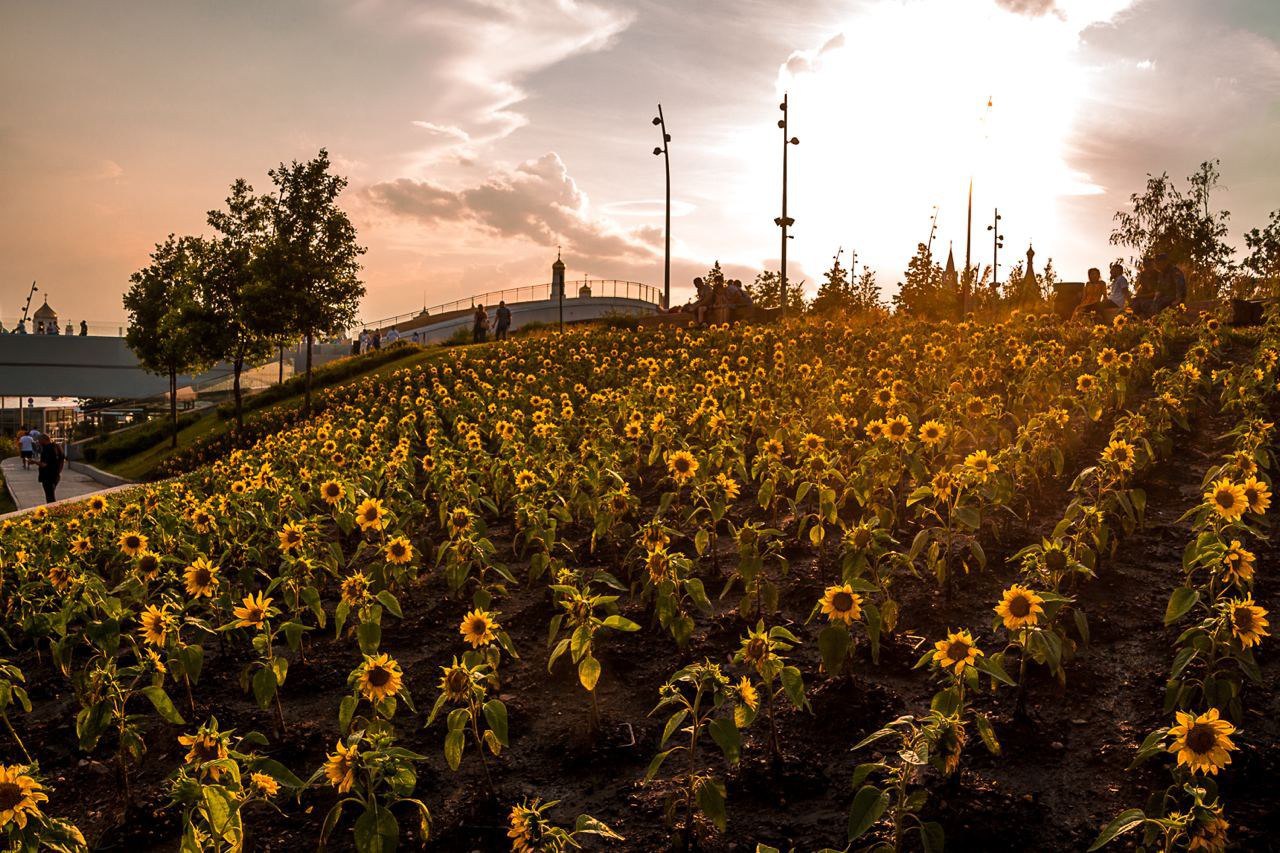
(997, 243)
(27, 308)
(784, 221)
(666, 159)
(933, 232)
(968, 245)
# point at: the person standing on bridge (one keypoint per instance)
(51, 462)
(504, 321)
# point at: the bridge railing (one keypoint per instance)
(599, 287)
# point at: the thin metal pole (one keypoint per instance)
(968, 245)
(661, 122)
(783, 272)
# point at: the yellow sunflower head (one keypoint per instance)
(456, 682)
(479, 628)
(370, 514)
(331, 491)
(201, 578)
(1203, 742)
(379, 677)
(842, 604)
(399, 551)
(682, 466)
(1019, 608)
(956, 652)
(20, 796)
(254, 609)
(132, 542)
(1227, 499)
(1248, 622)
(1257, 495)
(340, 766)
(932, 433)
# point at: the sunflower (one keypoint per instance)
(682, 466)
(981, 463)
(459, 522)
(20, 796)
(748, 694)
(204, 746)
(841, 604)
(525, 480)
(932, 433)
(132, 542)
(369, 515)
(875, 430)
(898, 428)
(1227, 499)
(291, 536)
(399, 551)
(957, 651)
(60, 577)
(265, 785)
(1257, 494)
(355, 589)
(730, 486)
(1238, 564)
(380, 677)
(340, 767)
(155, 623)
(148, 565)
(253, 611)
(812, 442)
(772, 447)
(96, 505)
(943, 486)
(81, 545)
(1019, 608)
(478, 628)
(1248, 622)
(201, 577)
(757, 648)
(1085, 382)
(456, 681)
(1210, 834)
(1119, 453)
(331, 491)
(525, 829)
(1202, 742)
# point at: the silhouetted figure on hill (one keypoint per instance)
(504, 321)
(480, 325)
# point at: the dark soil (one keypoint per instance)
(1062, 774)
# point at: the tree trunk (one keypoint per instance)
(238, 366)
(173, 408)
(306, 401)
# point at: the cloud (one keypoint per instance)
(536, 201)
(1031, 8)
(477, 56)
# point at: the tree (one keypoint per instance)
(865, 293)
(764, 292)
(834, 293)
(236, 303)
(163, 330)
(311, 260)
(1263, 262)
(1165, 219)
(922, 290)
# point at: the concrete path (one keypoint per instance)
(27, 491)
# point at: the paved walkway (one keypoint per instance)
(28, 492)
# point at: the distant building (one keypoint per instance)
(557, 278)
(46, 319)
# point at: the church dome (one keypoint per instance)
(44, 312)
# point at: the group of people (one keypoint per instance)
(51, 329)
(1161, 285)
(39, 450)
(480, 323)
(725, 293)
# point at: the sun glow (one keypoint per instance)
(893, 119)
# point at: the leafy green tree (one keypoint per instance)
(764, 292)
(237, 303)
(164, 328)
(865, 293)
(311, 260)
(1263, 261)
(835, 294)
(1183, 224)
(923, 291)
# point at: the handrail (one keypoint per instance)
(600, 287)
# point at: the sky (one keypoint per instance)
(481, 135)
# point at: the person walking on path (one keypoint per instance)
(480, 326)
(26, 444)
(51, 462)
(84, 328)
(504, 321)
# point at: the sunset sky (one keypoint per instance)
(479, 134)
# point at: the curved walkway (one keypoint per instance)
(27, 491)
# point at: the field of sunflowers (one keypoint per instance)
(994, 585)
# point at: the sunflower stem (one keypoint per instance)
(8, 725)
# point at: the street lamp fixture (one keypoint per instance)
(997, 243)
